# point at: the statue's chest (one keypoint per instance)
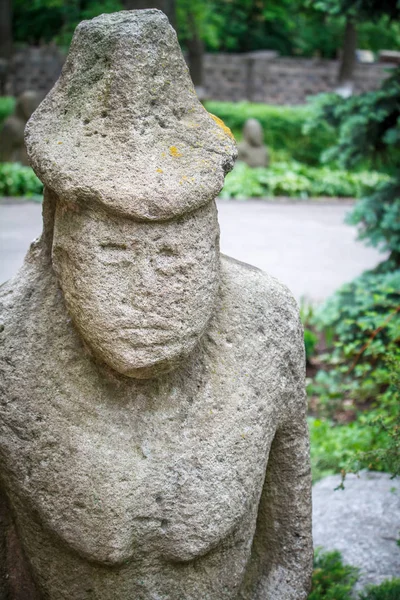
(171, 476)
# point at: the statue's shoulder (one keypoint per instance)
(10, 291)
(260, 318)
(24, 293)
(257, 293)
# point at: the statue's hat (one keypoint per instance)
(123, 127)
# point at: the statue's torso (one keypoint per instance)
(121, 474)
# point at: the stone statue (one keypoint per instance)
(12, 145)
(252, 150)
(153, 440)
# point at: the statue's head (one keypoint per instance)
(253, 133)
(134, 163)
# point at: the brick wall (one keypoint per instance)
(257, 76)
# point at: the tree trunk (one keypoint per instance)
(348, 59)
(195, 48)
(6, 40)
(167, 6)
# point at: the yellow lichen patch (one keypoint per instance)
(221, 124)
(187, 179)
(159, 171)
(173, 150)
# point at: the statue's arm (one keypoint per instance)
(16, 582)
(4, 522)
(282, 547)
(283, 539)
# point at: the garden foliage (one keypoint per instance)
(7, 104)
(17, 180)
(283, 127)
(361, 323)
(388, 590)
(333, 580)
(368, 126)
(295, 179)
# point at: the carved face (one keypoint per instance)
(139, 293)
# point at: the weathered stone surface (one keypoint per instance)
(252, 150)
(123, 126)
(12, 145)
(153, 442)
(362, 522)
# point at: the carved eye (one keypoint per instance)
(167, 260)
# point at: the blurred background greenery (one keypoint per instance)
(292, 27)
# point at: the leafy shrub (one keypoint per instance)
(331, 579)
(388, 590)
(365, 318)
(7, 104)
(384, 421)
(368, 128)
(17, 180)
(282, 125)
(334, 446)
(360, 371)
(296, 179)
(310, 343)
(378, 218)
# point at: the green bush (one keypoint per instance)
(363, 316)
(360, 371)
(378, 218)
(368, 129)
(298, 180)
(384, 421)
(333, 446)
(283, 127)
(7, 104)
(17, 180)
(331, 579)
(310, 343)
(388, 590)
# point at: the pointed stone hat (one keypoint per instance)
(123, 127)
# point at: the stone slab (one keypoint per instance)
(362, 522)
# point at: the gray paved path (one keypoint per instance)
(362, 522)
(307, 246)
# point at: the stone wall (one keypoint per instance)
(265, 77)
(257, 76)
(35, 69)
